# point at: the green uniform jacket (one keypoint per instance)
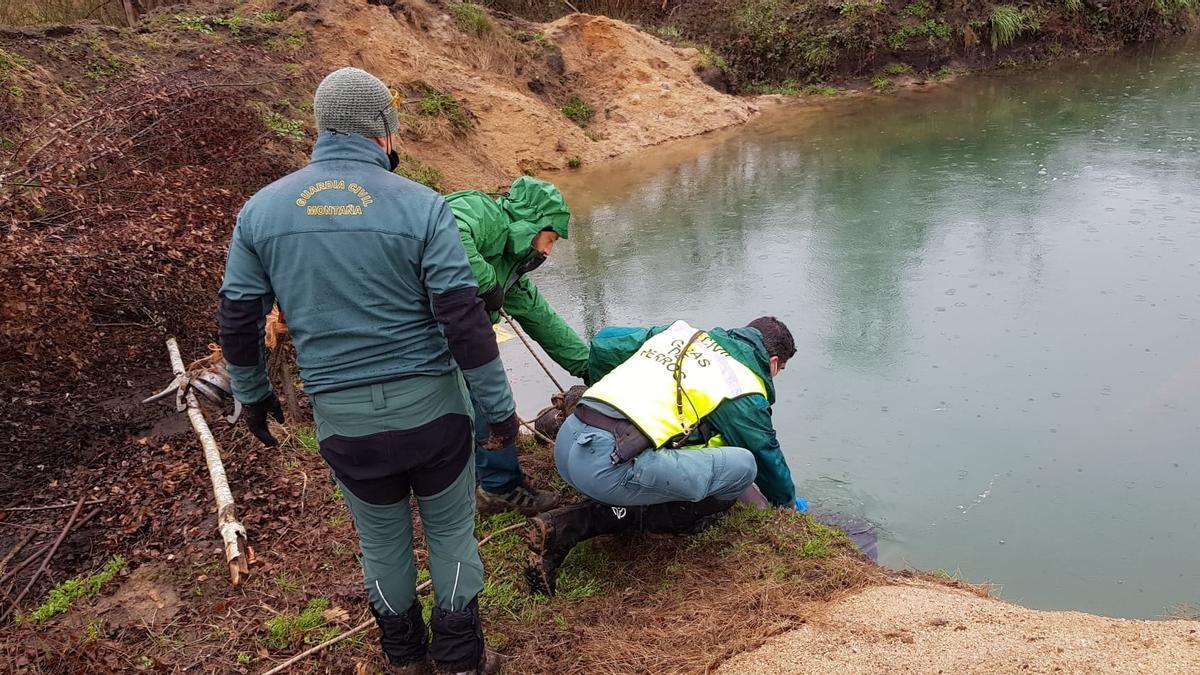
(374, 282)
(498, 236)
(744, 422)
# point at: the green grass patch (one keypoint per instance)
(578, 111)
(269, 16)
(787, 88)
(582, 573)
(881, 83)
(820, 55)
(574, 162)
(284, 127)
(818, 90)
(814, 548)
(306, 436)
(471, 19)
(1008, 22)
(535, 37)
(932, 29)
(710, 60)
(739, 520)
(61, 597)
(918, 9)
(669, 33)
(856, 8)
(289, 43)
(287, 629)
(415, 170)
(208, 24)
(287, 583)
(894, 69)
(764, 21)
(437, 103)
(943, 73)
(503, 596)
(1170, 7)
(10, 61)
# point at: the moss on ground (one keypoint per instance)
(61, 597)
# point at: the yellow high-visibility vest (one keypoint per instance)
(646, 390)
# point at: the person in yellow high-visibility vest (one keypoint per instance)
(675, 428)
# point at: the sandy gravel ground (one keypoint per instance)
(924, 628)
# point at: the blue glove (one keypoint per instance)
(801, 505)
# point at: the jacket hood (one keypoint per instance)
(746, 345)
(539, 203)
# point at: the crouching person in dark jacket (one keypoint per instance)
(389, 331)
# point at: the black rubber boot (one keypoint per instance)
(552, 535)
(458, 645)
(684, 517)
(404, 639)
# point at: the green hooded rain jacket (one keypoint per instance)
(498, 234)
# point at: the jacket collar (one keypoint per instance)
(746, 345)
(332, 145)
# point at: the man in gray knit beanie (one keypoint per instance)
(353, 101)
(387, 323)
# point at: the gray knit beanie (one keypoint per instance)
(353, 101)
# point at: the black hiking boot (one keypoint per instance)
(523, 498)
(684, 517)
(404, 640)
(552, 535)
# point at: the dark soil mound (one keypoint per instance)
(126, 157)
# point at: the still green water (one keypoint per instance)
(995, 290)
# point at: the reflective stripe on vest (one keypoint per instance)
(643, 387)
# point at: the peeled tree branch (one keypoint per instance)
(237, 553)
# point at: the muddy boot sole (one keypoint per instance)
(537, 573)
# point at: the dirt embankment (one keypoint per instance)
(518, 82)
(779, 45)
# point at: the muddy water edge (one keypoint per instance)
(995, 288)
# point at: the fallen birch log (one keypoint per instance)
(237, 553)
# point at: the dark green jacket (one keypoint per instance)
(498, 236)
(370, 273)
(744, 422)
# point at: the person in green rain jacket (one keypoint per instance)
(506, 238)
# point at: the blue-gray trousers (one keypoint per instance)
(582, 454)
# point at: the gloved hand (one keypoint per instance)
(801, 505)
(256, 414)
(501, 434)
(493, 300)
